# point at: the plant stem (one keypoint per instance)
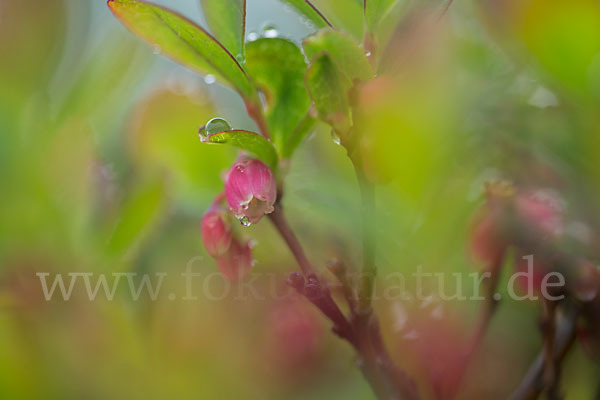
(367, 212)
(446, 8)
(484, 318)
(550, 376)
(533, 383)
(386, 379)
(362, 332)
(278, 219)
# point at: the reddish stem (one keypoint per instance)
(533, 383)
(362, 332)
(278, 219)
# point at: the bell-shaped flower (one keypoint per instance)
(250, 190)
(216, 231)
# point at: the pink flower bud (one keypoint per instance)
(487, 242)
(488, 238)
(250, 190)
(541, 211)
(216, 232)
(236, 262)
(294, 334)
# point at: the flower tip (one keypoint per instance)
(236, 263)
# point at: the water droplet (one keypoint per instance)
(240, 59)
(209, 79)
(217, 125)
(245, 221)
(156, 49)
(270, 31)
(368, 54)
(202, 133)
(253, 263)
(251, 36)
(335, 137)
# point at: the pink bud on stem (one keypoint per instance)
(250, 190)
(216, 231)
(237, 262)
(233, 255)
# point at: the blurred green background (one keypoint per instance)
(101, 171)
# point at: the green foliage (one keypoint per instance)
(346, 15)
(249, 141)
(294, 140)
(277, 67)
(160, 143)
(308, 10)
(183, 41)
(328, 88)
(375, 11)
(343, 50)
(227, 21)
(138, 214)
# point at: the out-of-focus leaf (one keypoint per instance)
(343, 50)
(112, 71)
(183, 41)
(308, 10)
(375, 10)
(346, 15)
(401, 141)
(161, 140)
(227, 21)
(249, 141)
(139, 212)
(277, 67)
(298, 135)
(30, 50)
(563, 37)
(328, 88)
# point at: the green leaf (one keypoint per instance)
(249, 141)
(344, 51)
(346, 15)
(310, 12)
(138, 216)
(375, 10)
(183, 41)
(298, 135)
(227, 21)
(328, 88)
(277, 68)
